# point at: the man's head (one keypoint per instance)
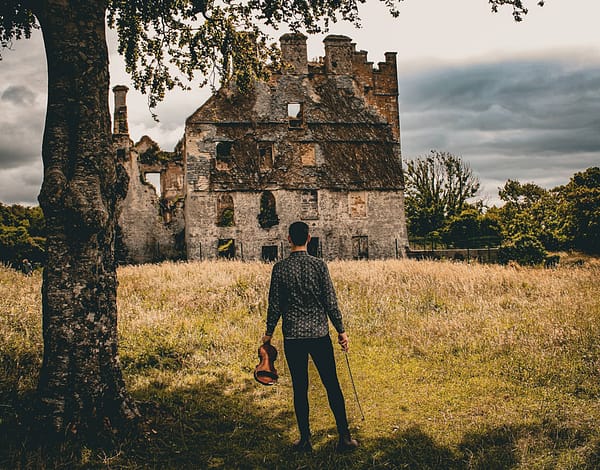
(298, 233)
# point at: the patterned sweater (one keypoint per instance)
(302, 293)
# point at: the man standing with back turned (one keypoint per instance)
(302, 293)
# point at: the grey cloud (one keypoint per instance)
(509, 107)
(19, 95)
(21, 185)
(25, 63)
(172, 113)
(13, 155)
(21, 141)
(539, 94)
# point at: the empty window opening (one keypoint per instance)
(314, 247)
(223, 152)
(225, 211)
(265, 156)
(295, 115)
(269, 253)
(360, 247)
(153, 179)
(309, 204)
(267, 217)
(226, 248)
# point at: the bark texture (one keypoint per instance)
(81, 387)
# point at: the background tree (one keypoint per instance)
(437, 187)
(81, 390)
(581, 209)
(22, 234)
(534, 211)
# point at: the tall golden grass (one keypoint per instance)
(456, 365)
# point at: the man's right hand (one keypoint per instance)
(343, 341)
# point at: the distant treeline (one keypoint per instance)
(531, 222)
(22, 234)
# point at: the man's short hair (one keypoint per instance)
(298, 233)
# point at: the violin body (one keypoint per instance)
(265, 372)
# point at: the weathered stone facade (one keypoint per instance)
(319, 142)
(151, 225)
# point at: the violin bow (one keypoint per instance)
(354, 386)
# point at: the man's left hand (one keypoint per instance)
(343, 341)
(266, 338)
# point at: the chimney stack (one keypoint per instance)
(338, 54)
(120, 125)
(294, 54)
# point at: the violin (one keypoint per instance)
(265, 372)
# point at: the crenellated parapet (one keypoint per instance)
(380, 86)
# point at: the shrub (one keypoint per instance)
(16, 244)
(525, 249)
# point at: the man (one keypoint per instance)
(302, 293)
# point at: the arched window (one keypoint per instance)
(267, 217)
(225, 211)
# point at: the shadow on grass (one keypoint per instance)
(208, 426)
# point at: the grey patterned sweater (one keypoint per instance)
(302, 293)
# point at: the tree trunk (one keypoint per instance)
(81, 388)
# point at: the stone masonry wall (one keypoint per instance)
(335, 226)
(150, 226)
(148, 232)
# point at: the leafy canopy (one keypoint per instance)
(437, 187)
(22, 234)
(581, 202)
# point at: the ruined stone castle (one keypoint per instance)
(318, 142)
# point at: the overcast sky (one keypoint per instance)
(514, 100)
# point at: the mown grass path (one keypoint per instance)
(457, 366)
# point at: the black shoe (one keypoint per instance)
(346, 443)
(302, 445)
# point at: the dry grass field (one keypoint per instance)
(458, 366)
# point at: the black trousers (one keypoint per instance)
(321, 351)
